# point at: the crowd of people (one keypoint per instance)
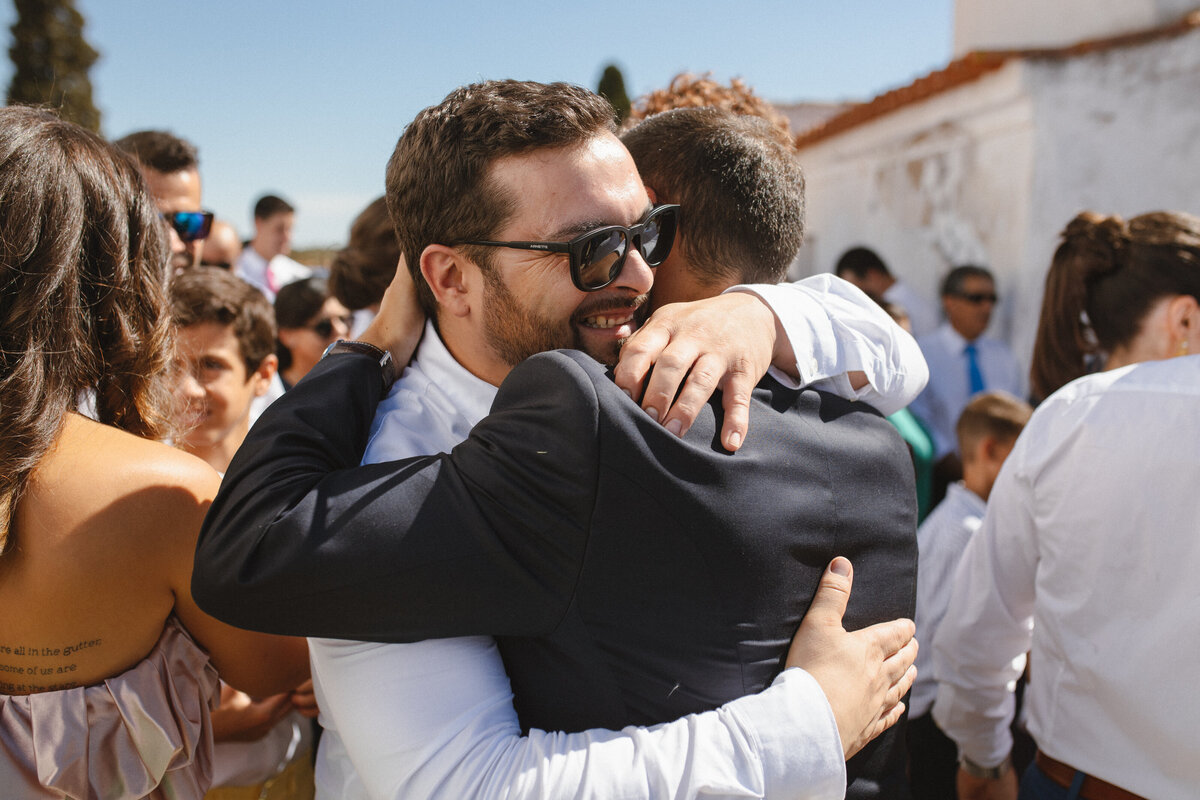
(550, 485)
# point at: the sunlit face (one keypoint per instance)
(215, 386)
(530, 304)
(273, 235)
(969, 318)
(177, 191)
(308, 343)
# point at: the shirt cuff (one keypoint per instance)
(798, 737)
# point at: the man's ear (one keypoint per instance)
(263, 375)
(1183, 315)
(452, 276)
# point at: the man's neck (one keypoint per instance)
(258, 248)
(467, 346)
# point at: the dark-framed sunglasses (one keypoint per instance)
(190, 225)
(324, 326)
(597, 256)
(978, 298)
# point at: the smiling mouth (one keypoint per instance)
(609, 319)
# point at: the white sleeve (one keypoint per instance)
(835, 329)
(435, 719)
(979, 648)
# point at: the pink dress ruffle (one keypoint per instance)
(143, 733)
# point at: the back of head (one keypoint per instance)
(741, 191)
(1103, 280)
(860, 262)
(701, 91)
(363, 269)
(212, 294)
(269, 205)
(438, 187)
(83, 258)
(995, 414)
(160, 151)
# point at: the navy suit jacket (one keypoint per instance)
(630, 576)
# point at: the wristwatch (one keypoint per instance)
(985, 773)
(386, 364)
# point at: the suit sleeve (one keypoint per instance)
(302, 540)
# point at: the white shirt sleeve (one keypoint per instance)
(979, 648)
(434, 719)
(835, 329)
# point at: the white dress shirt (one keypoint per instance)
(941, 540)
(1090, 549)
(269, 277)
(435, 718)
(948, 391)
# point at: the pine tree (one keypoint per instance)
(612, 89)
(52, 60)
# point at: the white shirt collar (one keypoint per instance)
(473, 396)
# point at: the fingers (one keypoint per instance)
(833, 593)
(889, 638)
(699, 383)
(736, 401)
(638, 356)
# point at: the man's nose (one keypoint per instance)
(636, 274)
(190, 388)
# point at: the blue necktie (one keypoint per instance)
(974, 373)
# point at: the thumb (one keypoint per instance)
(833, 593)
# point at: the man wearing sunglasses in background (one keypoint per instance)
(172, 172)
(962, 363)
(527, 228)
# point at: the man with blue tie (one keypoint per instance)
(962, 363)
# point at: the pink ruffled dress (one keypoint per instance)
(143, 733)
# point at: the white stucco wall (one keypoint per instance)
(1117, 132)
(930, 186)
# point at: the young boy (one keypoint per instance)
(226, 334)
(987, 430)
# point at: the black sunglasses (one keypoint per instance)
(979, 297)
(324, 326)
(597, 256)
(190, 225)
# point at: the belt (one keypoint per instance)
(1093, 788)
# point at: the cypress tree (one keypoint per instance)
(52, 60)
(612, 89)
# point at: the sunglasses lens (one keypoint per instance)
(324, 328)
(600, 258)
(191, 225)
(658, 234)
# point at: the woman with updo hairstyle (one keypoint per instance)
(1116, 293)
(1088, 553)
(307, 320)
(108, 670)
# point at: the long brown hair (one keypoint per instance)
(1105, 277)
(83, 258)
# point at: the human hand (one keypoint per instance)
(241, 718)
(304, 699)
(398, 326)
(724, 342)
(864, 673)
(972, 788)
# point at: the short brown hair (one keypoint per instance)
(160, 151)
(438, 186)
(212, 294)
(996, 414)
(741, 192)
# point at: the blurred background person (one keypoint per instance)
(863, 267)
(1088, 551)
(264, 262)
(222, 246)
(107, 665)
(363, 269)
(308, 320)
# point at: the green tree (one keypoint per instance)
(612, 89)
(52, 60)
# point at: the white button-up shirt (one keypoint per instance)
(1090, 549)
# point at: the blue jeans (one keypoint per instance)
(1035, 785)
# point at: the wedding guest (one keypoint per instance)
(308, 321)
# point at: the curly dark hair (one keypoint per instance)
(83, 307)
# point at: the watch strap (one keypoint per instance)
(386, 365)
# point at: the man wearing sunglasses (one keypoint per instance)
(172, 172)
(545, 241)
(962, 363)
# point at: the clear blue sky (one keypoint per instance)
(306, 99)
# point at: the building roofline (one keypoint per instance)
(975, 65)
